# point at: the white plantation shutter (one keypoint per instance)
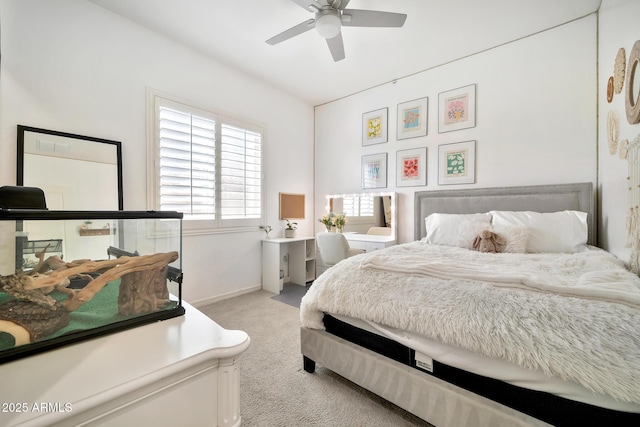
(240, 173)
(187, 164)
(358, 205)
(350, 206)
(209, 166)
(366, 205)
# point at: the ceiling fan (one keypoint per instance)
(331, 15)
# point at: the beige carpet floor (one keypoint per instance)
(276, 391)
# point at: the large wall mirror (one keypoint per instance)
(75, 172)
(365, 210)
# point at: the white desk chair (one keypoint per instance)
(334, 247)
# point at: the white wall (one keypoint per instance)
(536, 119)
(72, 66)
(618, 25)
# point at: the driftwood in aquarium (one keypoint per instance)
(143, 292)
(19, 286)
(28, 321)
(116, 268)
(35, 288)
(35, 314)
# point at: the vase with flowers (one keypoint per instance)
(267, 229)
(340, 220)
(327, 220)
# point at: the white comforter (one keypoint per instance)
(575, 316)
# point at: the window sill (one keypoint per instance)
(209, 231)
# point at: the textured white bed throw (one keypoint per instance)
(616, 286)
(574, 316)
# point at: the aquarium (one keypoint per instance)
(73, 275)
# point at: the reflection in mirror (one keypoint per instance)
(75, 172)
(365, 211)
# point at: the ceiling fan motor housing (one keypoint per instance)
(328, 23)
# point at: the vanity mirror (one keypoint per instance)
(365, 210)
(75, 172)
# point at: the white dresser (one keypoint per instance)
(181, 371)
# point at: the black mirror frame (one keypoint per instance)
(20, 155)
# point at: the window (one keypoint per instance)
(208, 166)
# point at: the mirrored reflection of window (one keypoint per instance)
(364, 210)
(356, 205)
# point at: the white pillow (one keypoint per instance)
(564, 231)
(516, 238)
(455, 229)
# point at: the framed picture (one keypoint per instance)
(374, 127)
(411, 167)
(457, 109)
(412, 118)
(374, 171)
(457, 163)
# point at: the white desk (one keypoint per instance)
(301, 256)
(177, 372)
(369, 242)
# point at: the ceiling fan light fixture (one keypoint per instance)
(330, 16)
(328, 25)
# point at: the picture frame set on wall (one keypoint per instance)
(413, 118)
(375, 127)
(374, 171)
(411, 167)
(457, 163)
(457, 109)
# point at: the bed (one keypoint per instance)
(452, 343)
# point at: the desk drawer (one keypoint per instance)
(367, 246)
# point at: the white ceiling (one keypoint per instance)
(436, 31)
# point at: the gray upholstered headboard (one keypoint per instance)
(538, 198)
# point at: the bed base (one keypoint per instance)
(545, 407)
(430, 398)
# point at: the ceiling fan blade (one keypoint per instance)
(309, 5)
(372, 18)
(292, 32)
(336, 46)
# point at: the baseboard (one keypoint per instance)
(228, 295)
